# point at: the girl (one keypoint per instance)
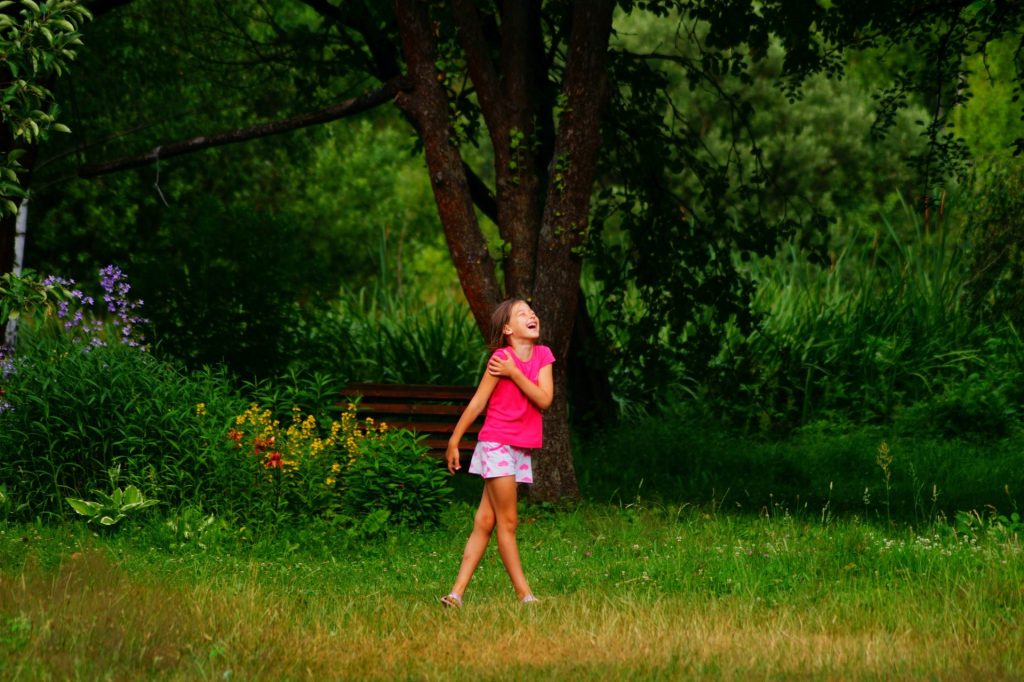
(517, 385)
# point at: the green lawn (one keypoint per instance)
(627, 592)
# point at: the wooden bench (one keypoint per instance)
(431, 411)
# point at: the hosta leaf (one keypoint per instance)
(132, 496)
(84, 507)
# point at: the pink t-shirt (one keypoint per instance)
(511, 418)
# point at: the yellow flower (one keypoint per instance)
(335, 467)
(329, 481)
(200, 409)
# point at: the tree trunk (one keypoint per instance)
(544, 225)
(554, 475)
(566, 217)
(20, 230)
(9, 222)
(590, 392)
(7, 237)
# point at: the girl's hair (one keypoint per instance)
(499, 318)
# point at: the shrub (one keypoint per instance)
(995, 244)
(332, 469)
(885, 328)
(394, 474)
(75, 411)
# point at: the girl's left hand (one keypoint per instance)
(502, 366)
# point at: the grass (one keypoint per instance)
(661, 592)
(681, 456)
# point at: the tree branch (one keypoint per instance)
(341, 110)
(481, 68)
(357, 16)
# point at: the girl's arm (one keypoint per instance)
(540, 393)
(473, 409)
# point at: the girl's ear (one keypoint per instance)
(506, 330)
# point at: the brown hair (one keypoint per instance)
(499, 318)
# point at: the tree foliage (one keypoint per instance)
(37, 42)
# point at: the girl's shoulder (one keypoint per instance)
(543, 354)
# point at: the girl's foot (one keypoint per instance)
(528, 599)
(452, 600)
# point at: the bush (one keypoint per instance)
(995, 244)
(347, 470)
(75, 412)
(394, 475)
(974, 408)
(884, 332)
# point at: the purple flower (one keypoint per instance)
(77, 310)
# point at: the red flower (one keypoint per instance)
(273, 460)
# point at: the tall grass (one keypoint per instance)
(382, 335)
(884, 328)
(627, 593)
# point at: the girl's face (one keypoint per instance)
(522, 324)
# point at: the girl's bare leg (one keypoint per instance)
(483, 525)
(502, 494)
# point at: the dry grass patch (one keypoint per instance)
(93, 619)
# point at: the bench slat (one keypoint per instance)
(440, 445)
(430, 427)
(411, 408)
(410, 391)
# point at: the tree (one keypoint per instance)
(539, 85)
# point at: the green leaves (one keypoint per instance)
(394, 475)
(36, 44)
(111, 507)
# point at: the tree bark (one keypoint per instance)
(427, 104)
(9, 221)
(566, 216)
(21, 229)
(507, 96)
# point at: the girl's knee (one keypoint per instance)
(483, 522)
(507, 524)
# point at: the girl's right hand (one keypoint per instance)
(452, 456)
(501, 365)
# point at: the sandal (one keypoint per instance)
(451, 601)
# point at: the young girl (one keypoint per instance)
(517, 385)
